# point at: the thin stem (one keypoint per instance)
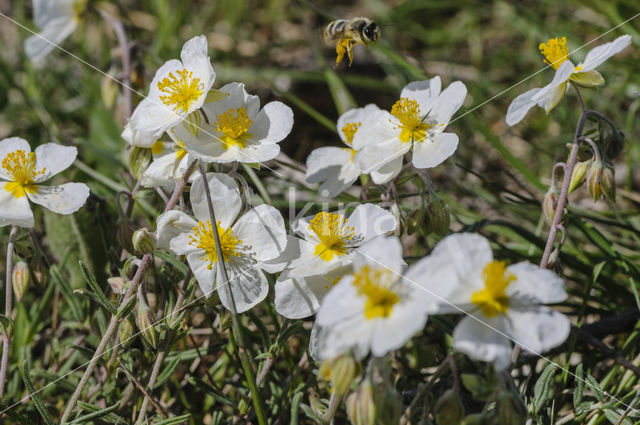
(6, 338)
(582, 108)
(131, 292)
(236, 328)
(334, 403)
(142, 389)
(118, 28)
(165, 346)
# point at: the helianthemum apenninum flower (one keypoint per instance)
(57, 19)
(556, 54)
(170, 161)
(237, 129)
(333, 166)
(247, 242)
(179, 88)
(416, 123)
(500, 301)
(372, 309)
(322, 254)
(22, 174)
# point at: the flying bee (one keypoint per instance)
(346, 33)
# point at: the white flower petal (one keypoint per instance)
(449, 101)
(379, 127)
(54, 32)
(225, 198)
(520, 106)
(287, 258)
(433, 151)
(195, 58)
(46, 10)
(373, 157)
(388, 171)
(14, 211)
(203, 274)
(334, 167)
(559, 79)
(381, 252)
(273, 123)
(262, 232)
(479, 341)
(63, 199)
(173, 230)
(138, 138)
(424, 92)
(601, 53)
(537, 329)
(53, 158)
(248, 285)
(150, 119)
(355, 116)
(535, 285)
(161, 172)
(369, 221)
(407, 318)
(553, 97)
(10, 145)
(237, 98)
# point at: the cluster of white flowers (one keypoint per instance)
(377, 140)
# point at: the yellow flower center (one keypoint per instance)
(181, 150)
(351, 151)
(181, 91)
(373, 283)
(234, 125)
(157, 147)
(412, 127)
(349, 130)
(203, 238)
(21, 168)
(493, 300)
(331, 233)
(555, 51)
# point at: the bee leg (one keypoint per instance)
(341, 48)
(350, 46)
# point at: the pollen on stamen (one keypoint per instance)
(21, 168)
(555, 51)
(203, 238)
(181, 90)
(349, 131)
(412, 126)
(234, 124)
(331, 233)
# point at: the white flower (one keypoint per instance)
(372, 309)
(237, 129)
(170, 161)
(249, 241)
(322, 254)
(139, 138)
(22, 173)
(556, 55)
(334, 166)
(500, 301)
(416, 123)
(178, 89)
(57, 19)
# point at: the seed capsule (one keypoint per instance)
(144, 242)
(20, 279)
(361, 408)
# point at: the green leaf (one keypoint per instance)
(542, 389)
(614, 417)
(37, 401)
(166, 372)
(213, 392)
(595, 387)
(579, 390)
(174, 420)
(171, 259)
(94, 415)
(295, 403)
(102, 298)
(67, 292)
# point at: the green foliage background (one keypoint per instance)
(494, 184)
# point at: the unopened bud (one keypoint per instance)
(577, 176)
(437, 216)
(549, 204)
(343, 371)
(614, 144)
(117, 285)
(415, 221)
(40, 272)
(139, 160)
(395, 211)
(510, 409)
(20, 279)
(144, 318)
(125, 332)
(608, 182)
(390, 407)
(361, 408)
(6, 326)
(449, 409)
(124, 233)
(144, 242)
(594, 177)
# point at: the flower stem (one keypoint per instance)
(237, 337)
(6, 338)
(131, 292)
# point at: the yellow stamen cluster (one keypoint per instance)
(412, 127)
(204, 238)
(555, 51)
(349, 130)
(332, 281)
(493, 300)
(331, 233)
(157, 147)
(181, 90)
(373, 283)
(21, 167)
(234, 124)
(181, 150)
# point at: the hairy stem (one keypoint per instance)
(237, 337)
(6, 338)
(131, 292)
(118, 28)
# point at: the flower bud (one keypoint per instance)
(144, 242)
(6, 326)
(549, 205)
(40, 272)
(415, 221)
(117, 285)
(594, 176)
(614, 144)
(449, 409)
(608, 182)
(124, 233)
(144, 318)
(343, 371)
(20, 279)
(578, 174)
(390, 407)
(361, 409)
(510, 409)
(125, 331)
(139, 160)
(437, 216)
